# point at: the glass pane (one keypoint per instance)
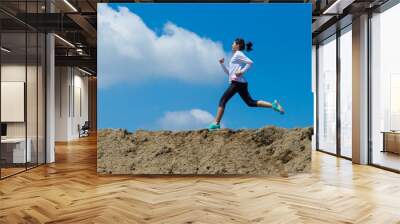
(41, 98)
(31, 86)
(385, 93)
(14, 152)
(346, 93)
(31, 100)
(327, 96)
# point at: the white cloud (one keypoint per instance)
(185, 120)
(130, 52)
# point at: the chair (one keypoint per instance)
(84, 130)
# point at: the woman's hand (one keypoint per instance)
(221, 61)
(238, 73)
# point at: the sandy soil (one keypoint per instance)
(264, 151)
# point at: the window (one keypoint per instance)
(327, 95)
(22, 87)
(346, 92)
(385, 88)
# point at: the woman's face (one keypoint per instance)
(235, 46)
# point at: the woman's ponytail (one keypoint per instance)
(249, 46)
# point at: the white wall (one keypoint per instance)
(62, 81)
(70, 83)
(80, 84)
(16, 72)
(33, 127)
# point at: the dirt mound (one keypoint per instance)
(264, 151)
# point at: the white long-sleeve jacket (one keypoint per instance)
(238, 62)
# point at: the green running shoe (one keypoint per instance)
(213, 127)
(277, 107)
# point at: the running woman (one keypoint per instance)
(238, 65)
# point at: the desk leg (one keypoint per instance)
(384, 142)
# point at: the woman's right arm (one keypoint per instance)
(221, 62)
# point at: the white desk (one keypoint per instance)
(19, 149)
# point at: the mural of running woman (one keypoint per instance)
(238, 65)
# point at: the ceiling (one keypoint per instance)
(329, 16)
(75, 21)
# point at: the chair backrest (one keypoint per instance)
(85, 125)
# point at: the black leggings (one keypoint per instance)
(241, 88)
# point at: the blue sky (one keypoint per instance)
(158, 64)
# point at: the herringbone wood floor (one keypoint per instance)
(70, 191)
